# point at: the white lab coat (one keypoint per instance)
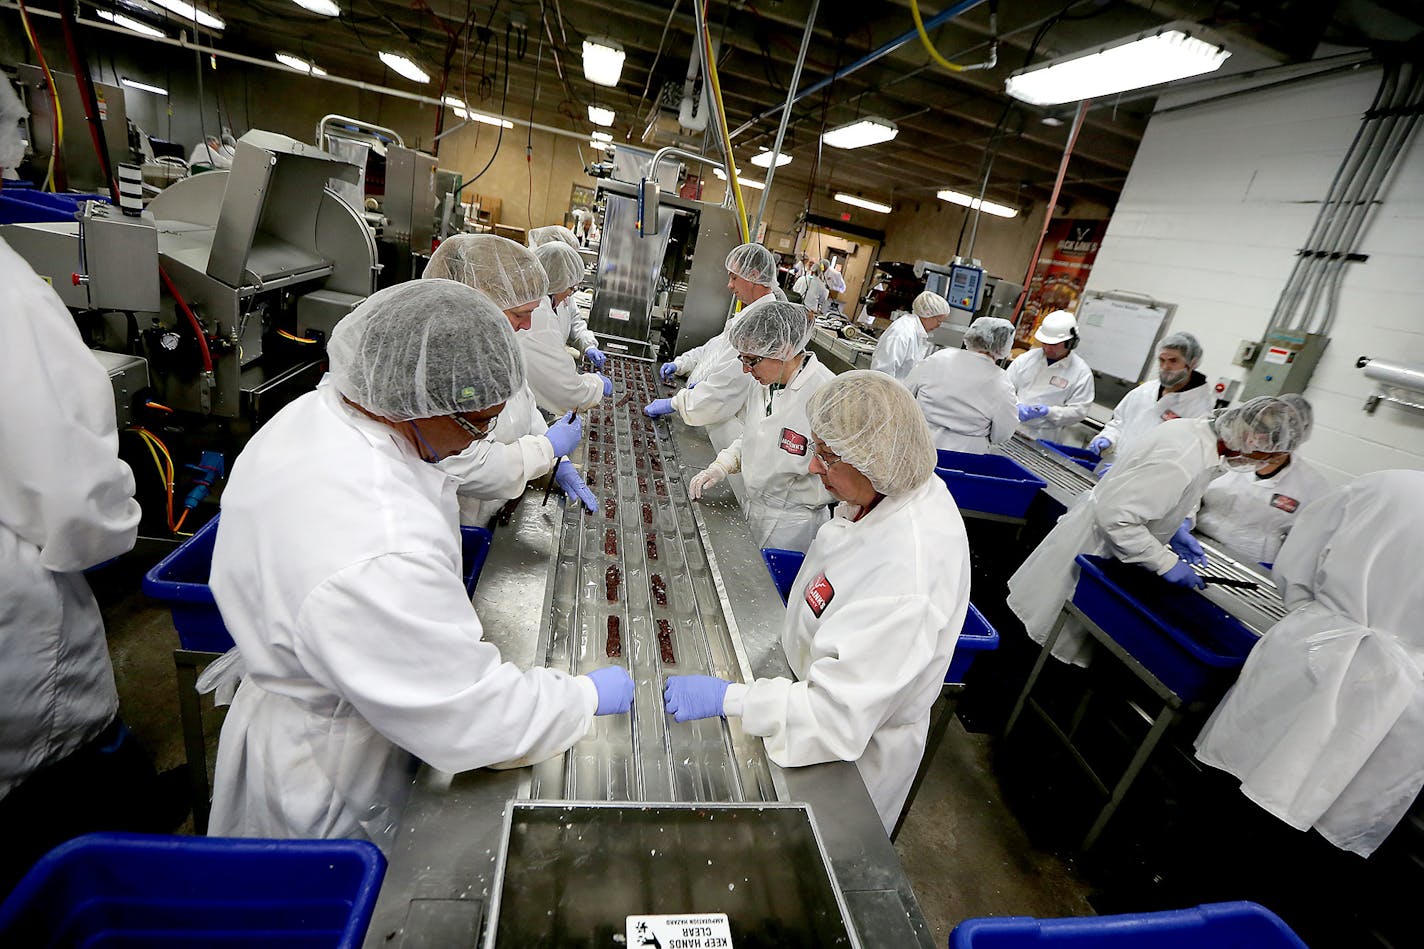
(572, 326)
(1252, 515)
(1065, 386)
(966, 399)
(722, 386)
(871, 624)
(66, 503)
(362, 650)
(549, 370)
(1130, 514)
(814, 295)
(1145, 407)
(901, 347)
(497, 469)
(1325, 726)
(785, 503)
(835, 282)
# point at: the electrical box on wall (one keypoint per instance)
(1284, 363)
(1246, 353)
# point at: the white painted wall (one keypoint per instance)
(1218, 200)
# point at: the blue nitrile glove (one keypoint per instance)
(1184, 545)
(566, 476)
(1183, 575)
(1028, 413)
(688, 698)
(615, 690)
(658, 407)
(595, 356)
(668, 370)
(565, 434)
(607, 385)
(1099, 445)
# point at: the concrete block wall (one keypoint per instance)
(1219, 199)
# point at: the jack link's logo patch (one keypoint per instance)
(793, 443)
(1282, 502)
(819, 594)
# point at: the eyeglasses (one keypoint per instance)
(476, 430)
(751, 362)
(827, 461)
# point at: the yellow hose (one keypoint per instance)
(732, 181)
(925, 38)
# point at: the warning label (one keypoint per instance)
(706, 931)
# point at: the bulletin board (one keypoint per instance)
(1119, 332)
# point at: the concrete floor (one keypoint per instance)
(965, 853)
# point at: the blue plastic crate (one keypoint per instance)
(988, 484)
(1239, 925)
(1079, 456)
(181, 581)
(132, 890)
(1188, 642)
(28, 207)
(783, 565)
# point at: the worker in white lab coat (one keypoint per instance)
(362, 650)
(964, 394)
(906, 341)
(1251, 512)
(1054, 384)
(812, 287)
(716, 386)
(1138, 512)
(521, 446)
(557, 384)
(567, 317)
(834, 280)
(876, 610)
(1325, 726)
(1179, 391)
(785, 503)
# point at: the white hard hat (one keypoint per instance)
(1057, 327)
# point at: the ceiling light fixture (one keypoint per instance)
(1052, 121)
(404, 66)
(763, 158)
(1150, 58)
(600, 116)
(320, 7)
(744, 182)
(470, 115)
(601, 137)
(860, 133)
(602, 61)
(299, 64)
(145, 87)
(964, 200)
(859, 202)
(128, 23)
(186, 11)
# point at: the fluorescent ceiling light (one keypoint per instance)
(744, 182)
(599, 145)
(602, 61)
(863, 132)
(964, 200)
(135, 84)
(470, 115)
(1148, 59)
(322, 7)
(405, 67)
(299, 64)
(455, 103)
(600, 116)
(601, 137)
(128, 23)
(763, 159)
(186, 11)
(875, 206)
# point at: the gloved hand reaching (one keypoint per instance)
(565, 434)
(1099, 445)
(1028, 413)
(566, 476)
(688, 698)
(1183, 575)
(615, 690)
(1184, 545)
(607, 385)
(704, 479)
(657, 408)
(667, 371)
(595, 356)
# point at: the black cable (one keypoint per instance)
(504, 97)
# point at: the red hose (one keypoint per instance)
(187, 311)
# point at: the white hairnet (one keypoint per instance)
(873, 423)
(753, 263)
(12, 111)
(1186, 344)
(562, 265)
(929, 304)
(774, 330)
(1263, 424)
(539, 236)
(1304, 409)
(425, 348)
(990, 335)
(502, 270)
(822, 265)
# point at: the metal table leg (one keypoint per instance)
(949, 693)
(189, 662)
(1038, 665)
(1154, 735)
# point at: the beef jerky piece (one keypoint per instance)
(610, 507)
(665, 643)
(651, 543)
(610, 542)
(647, 513)
(614, 647)
(659, 590)
(611, 578)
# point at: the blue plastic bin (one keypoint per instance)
(1188, 642)
(1238, 925)
(977, 635)
(132, 890)
(988, 484)
(26, 206)
(1079, 456)
(181, 581)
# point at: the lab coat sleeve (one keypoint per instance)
(579, 331)
(688, 361)
(396, 637)
(717, 398)
(62, 485)
(557, 384)
(1005, 420)
(731, 456)
(1305, 547)
(1112, 431)
(1076, 403)
(1018, 372)
(1124, 506)
(499, 470)
(920, 375)
(850, 689)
